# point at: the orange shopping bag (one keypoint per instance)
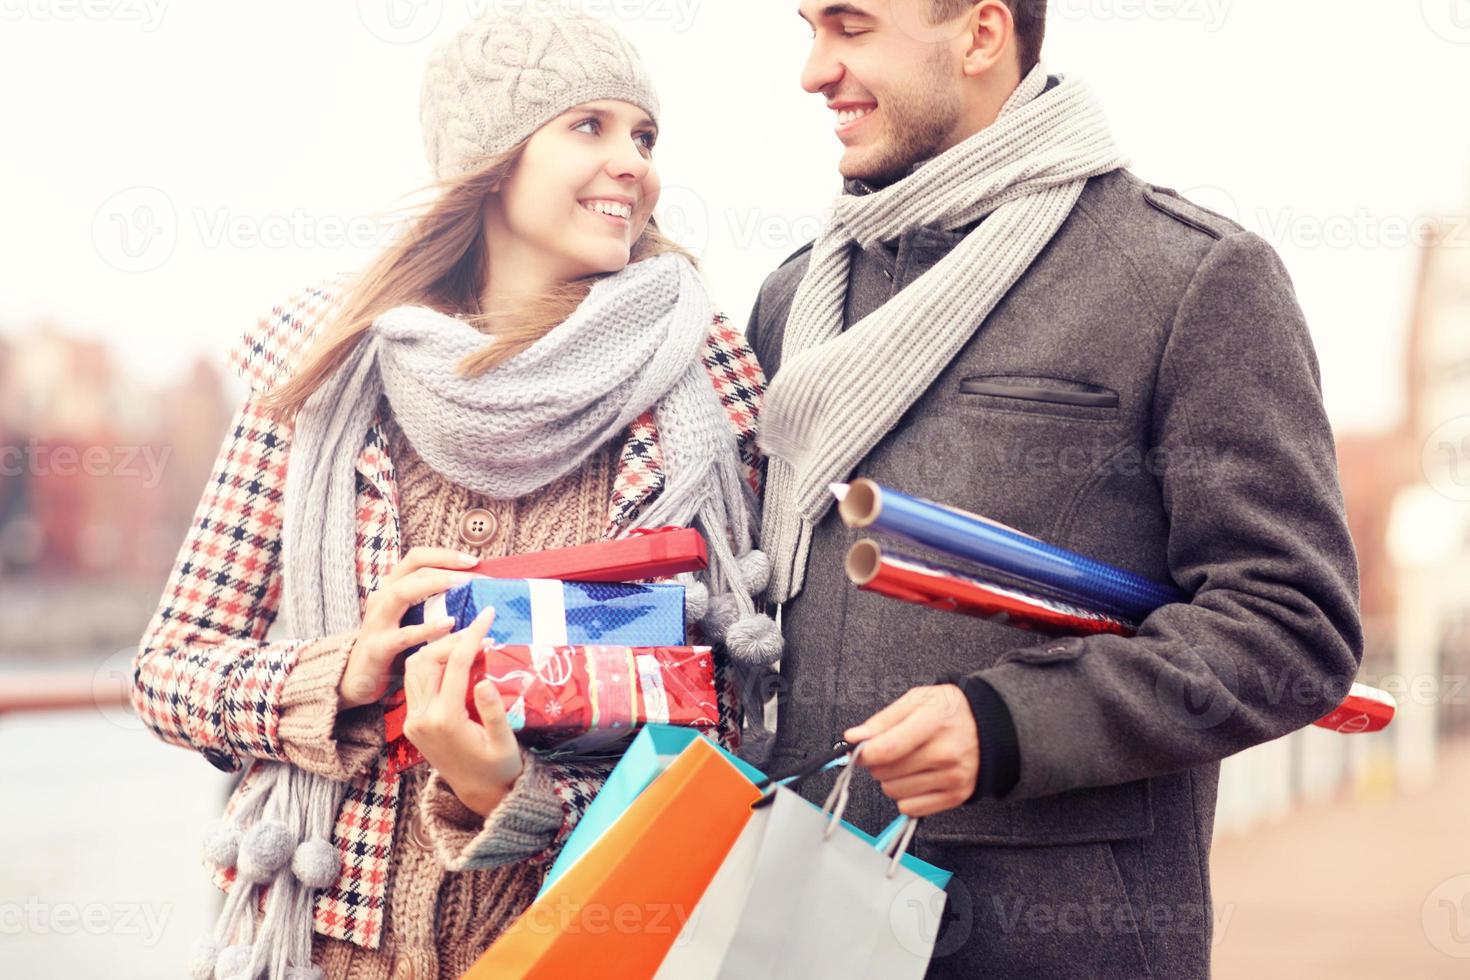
(617, 911)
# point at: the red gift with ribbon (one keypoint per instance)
(585, 698)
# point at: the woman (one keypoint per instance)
(534, 366)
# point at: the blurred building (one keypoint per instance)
(99, 477)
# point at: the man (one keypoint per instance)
(1001, 318)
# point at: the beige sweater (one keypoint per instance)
(444, 906)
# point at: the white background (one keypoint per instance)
(250, 138)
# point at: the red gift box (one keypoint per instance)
(645, 554)
(583, 698)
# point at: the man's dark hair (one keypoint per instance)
(1030, 17)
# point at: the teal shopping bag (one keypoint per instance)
(650, 753)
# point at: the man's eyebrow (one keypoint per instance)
(836, 10)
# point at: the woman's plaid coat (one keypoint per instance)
(207, 678)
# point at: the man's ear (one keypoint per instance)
(989, 37)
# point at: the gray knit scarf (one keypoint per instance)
(636, 342)
(839, 392)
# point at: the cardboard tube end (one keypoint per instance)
(862, 504)
(863, 562)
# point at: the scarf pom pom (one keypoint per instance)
(755, 640)
(221, 843)
(264, 850)
(202, 957)
(722, 613)
(310, 972)
(755, 571)
(233, 962)
(696, 601)
(315, 863)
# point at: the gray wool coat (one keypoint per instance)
(1147, 394)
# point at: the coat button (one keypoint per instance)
(419, 835)
(402, 968)
(478, 527)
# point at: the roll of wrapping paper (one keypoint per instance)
(910, 579)
(865, 505)
(1365, 710)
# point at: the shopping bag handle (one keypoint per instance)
(839, 756)
(836, 804)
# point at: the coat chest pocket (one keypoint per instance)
(1037, 395)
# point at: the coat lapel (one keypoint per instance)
(640, 475)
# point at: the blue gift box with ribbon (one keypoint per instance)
(550, 612)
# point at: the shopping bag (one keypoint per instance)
(616, 911)
(652, 752)
(803, 894)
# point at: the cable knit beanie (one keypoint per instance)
(504, 76)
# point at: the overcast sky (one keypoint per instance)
(172, 169)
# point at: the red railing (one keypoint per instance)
(60, 691)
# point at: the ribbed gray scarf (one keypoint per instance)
(839, 392)
(635, 342)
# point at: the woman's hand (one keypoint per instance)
(479, 760)
(423, 572)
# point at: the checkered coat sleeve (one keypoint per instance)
(205, 677)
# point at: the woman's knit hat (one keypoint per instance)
(504, 76)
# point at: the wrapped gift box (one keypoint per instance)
(586, 697)
(546, 611)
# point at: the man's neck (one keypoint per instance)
(860, 186)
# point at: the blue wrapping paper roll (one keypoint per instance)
(973, 538)
(545, 611)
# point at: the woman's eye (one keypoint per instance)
(648, 140)
(585, 122)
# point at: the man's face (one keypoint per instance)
(892, 79)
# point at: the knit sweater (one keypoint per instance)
(456, 879)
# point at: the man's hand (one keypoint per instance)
(924, 749)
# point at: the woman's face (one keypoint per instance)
(582, 192)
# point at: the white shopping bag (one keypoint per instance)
(805, 896)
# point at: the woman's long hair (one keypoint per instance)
(441, 263)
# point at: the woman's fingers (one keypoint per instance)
(417, 558)
(492, 710)
(419, 585)
(399, 640)
(467, 647)
(421, 674)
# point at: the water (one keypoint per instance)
(100, 874)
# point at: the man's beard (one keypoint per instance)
(917, 124)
